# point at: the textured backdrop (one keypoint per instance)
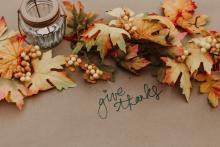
(69, 118)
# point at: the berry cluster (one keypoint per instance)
(127, 20)
(73, 60)
(209, 43)
(23, 71)
(93, 72)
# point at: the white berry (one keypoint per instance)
(38, 53)
(36, 47)
(26, 58)
(76, 64)
(183, 57)
(92, 71)
(90, 67)
(73, 59)
(91, 78)
(207, 46)
(186, 52)
(96, 76)
(22, 79)
(23, 54)
(79, 60)
(28, 74)
(70, 62)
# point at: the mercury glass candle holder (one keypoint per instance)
(42, 21)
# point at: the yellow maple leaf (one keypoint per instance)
(157, 29)
(195, 24)
(10, 50)
(181, 13)
(13, 92)
(46, 77)
(176, 70)
(211, 86)
(104, 37)
(198, 58)
(179, 9)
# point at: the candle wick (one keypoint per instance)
(35, 2)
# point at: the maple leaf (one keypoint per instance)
(132, 52)
(179, 9)
(132, 61)
(77, 19)
(213, 89)
(46, 77)
(211, 86)
(137, 63)
(13, 92)
(181, 13)
(4, 32)
(104, 37)
(198, 58)
(195, 25)
(175, 36)
(10, 50)
(156, 29)
(176, 70)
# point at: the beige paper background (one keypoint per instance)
(69, 118)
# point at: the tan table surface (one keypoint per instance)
(69, 118)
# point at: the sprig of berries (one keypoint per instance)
(24, 71)
(208, 44)
(92, 72)
(73, 60)
(127, 21)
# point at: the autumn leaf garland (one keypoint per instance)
(146, 36)
(134, 41)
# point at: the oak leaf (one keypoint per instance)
(176, 70)
(104, 38)
(46, 76)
